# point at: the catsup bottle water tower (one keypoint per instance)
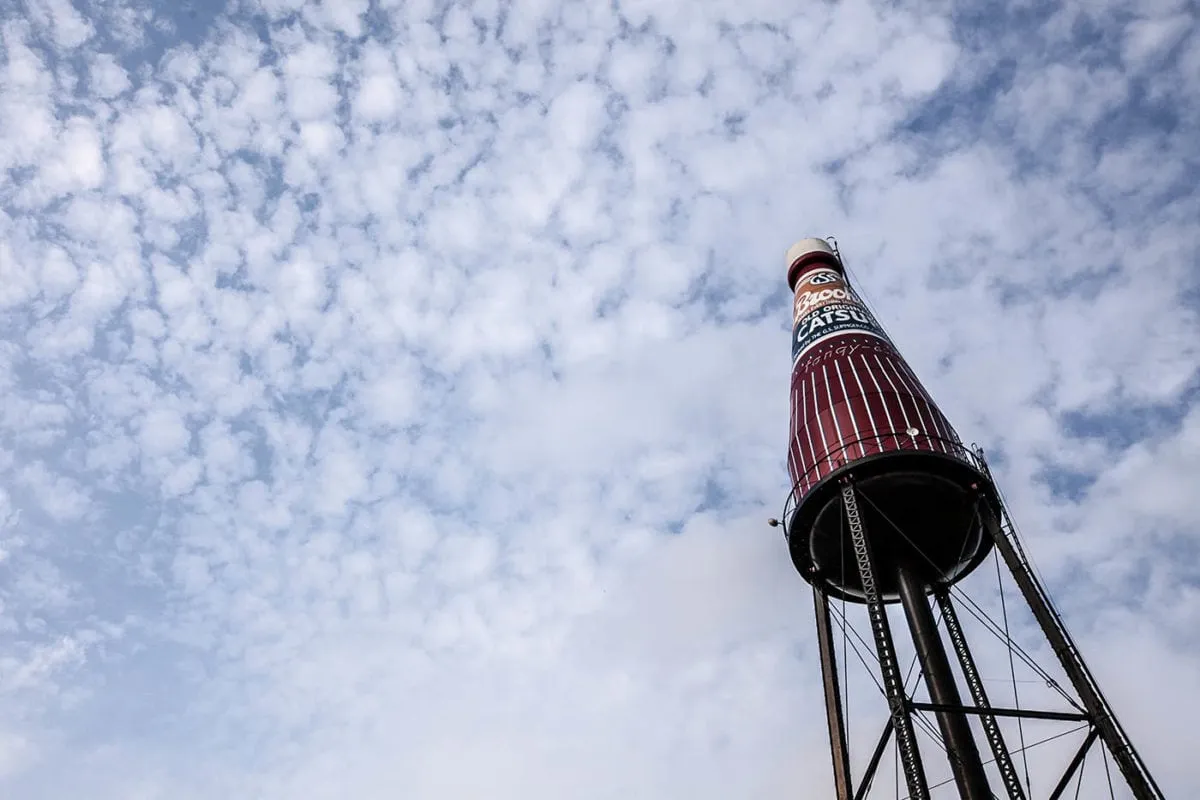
(889, 506)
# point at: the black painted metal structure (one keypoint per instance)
(881, 563)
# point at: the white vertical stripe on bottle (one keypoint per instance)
(866, 403)
(837, 427)
(862, 450)
(917, 401)
(882, 401)
(812, 450)
(904, 371)
(888, 378)
(821, 430)
(793, 445)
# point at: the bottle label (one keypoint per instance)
(825, 307)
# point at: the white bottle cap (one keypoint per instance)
(805, 247)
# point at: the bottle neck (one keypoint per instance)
(809, 262)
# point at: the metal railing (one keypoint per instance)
(866, 446)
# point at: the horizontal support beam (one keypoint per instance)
(1003, 712)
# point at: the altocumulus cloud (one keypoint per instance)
(393, 392)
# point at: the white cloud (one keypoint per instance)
(398, 391)
(16, 753)
(1147, 39)
(108, 79)
(67, 26)
(163, 432)
(59, 496)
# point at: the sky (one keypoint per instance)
(393, 394)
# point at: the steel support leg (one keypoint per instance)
(893, 682)
(1134, 770)
(833, 697)
(965, 762)
(1008, 771)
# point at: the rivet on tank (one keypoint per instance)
(858, 412)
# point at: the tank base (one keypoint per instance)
(924, 510)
